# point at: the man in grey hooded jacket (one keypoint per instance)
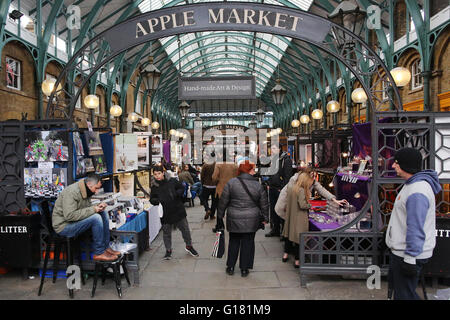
(411, 233)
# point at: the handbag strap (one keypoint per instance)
(248, 192)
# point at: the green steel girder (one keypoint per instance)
(215, 35)
(99, 22)
(86, 26)
(221, 44)
(170, 86)
(131, 7)
(4, 5)
(126, 80)
(173, 97)
(220, 59)
(42, 44)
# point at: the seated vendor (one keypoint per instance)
(73, 214)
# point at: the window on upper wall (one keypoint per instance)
(416, 78)
(13, 73)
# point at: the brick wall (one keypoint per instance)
(13, 102)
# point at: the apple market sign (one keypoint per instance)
(216, 17)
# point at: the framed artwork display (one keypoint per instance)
(46, 145)
(78, 144)
(93, 143)
(126, 152)
(44, 183)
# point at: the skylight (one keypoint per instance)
(268, 56)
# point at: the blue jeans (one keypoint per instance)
(197, 188)
(98, 223)
(404, 286)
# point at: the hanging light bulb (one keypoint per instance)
(91, 101)
(304, 119)
(279, 130)
(115, 110)
(47, 86)
(401, 76)
(155, 125)
(317, 114)
(359, 95)
(172, 132)
(295, 123)
(133, 117)
(333, 106)
(145, 122)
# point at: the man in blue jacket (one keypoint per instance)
(411, 233)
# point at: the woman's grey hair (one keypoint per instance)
(92, 179)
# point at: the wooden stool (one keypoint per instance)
(101, 266)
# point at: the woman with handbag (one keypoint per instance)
(169, 194)
(297, 209)
(247, 210)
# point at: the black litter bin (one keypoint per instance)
(20, 240)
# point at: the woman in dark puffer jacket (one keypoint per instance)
(243, 216)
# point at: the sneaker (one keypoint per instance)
(192, 251)
(168, 255)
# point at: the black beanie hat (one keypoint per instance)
(409, 160)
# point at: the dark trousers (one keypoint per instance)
(183, 225)
(275, 220)
(404, 286)
(214, 200)
(292, 247)
(242, 245)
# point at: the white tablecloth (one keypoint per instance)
(154, 223)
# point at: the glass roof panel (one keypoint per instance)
(273, 61)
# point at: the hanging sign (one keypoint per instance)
(195, 88)
(239, 16)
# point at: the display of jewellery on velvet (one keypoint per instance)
(319, 218)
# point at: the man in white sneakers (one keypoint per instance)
(411, 233)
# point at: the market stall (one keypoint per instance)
(46, 156)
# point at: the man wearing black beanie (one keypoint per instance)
(411, 233)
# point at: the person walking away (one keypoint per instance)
(297, 210)
(169, 194)
(276, 182)
(411, 233)
(209, 189)
(223, 172)
(245, 202)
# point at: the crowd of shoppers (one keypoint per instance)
(246, 204)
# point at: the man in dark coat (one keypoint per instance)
(283, 172)
(169, 194)
(244, 216)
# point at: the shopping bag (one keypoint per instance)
(160, 210)
(219, 244)
(189, 194)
